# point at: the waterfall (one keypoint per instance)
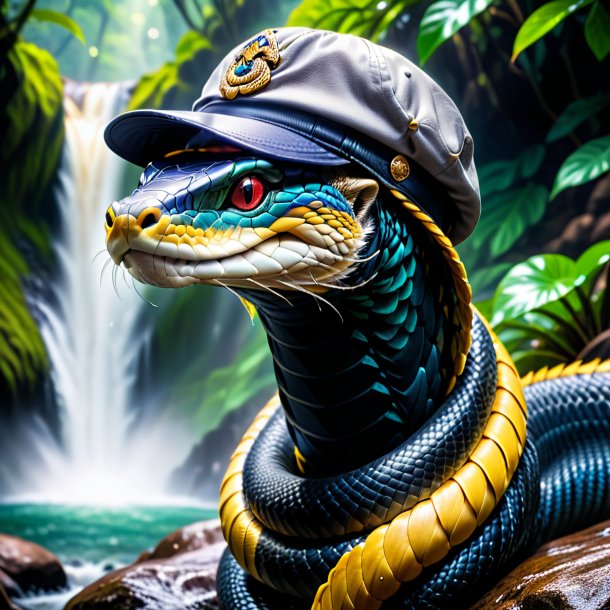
(91, 333)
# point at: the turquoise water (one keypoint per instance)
(93, 534)
(91, 540)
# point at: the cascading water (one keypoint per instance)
(91, 335)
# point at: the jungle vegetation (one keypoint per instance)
(530, 77)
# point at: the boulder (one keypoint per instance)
(28, 566)
(179, 574)
(570, 573)
(189, 538)
(5, 602)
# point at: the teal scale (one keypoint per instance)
(347, 376)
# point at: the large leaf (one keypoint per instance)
(369, 18)
(507, 215)
(500, 175)
(576, 113)
(543, 20)
(587, 163)
(544, 279)
(532, 284)
(32, 140)
(45, 14)
(22, 352)
(597, 31)
(152, 89)
(442, 20)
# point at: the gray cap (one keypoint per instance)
(281, 93)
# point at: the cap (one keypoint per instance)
(324, 98)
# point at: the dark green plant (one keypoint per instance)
(551, 309)
(31, 121)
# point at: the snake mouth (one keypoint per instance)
(280, 262)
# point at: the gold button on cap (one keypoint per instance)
(399, 168)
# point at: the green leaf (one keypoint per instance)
(484, 278)
(592, 258)
(543, 20)
(45, 14)
(597, 31)
(32, 93)
(368, 18)
(587, 163)
(507, 215)
(190, 44)
(532, 284)
(524, 210)
(152, 89)
(442, 20)
(575, 114)
(499, 175)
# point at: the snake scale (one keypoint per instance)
(392, 469)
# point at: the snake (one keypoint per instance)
(403, 462)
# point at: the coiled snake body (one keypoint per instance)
(393, 468)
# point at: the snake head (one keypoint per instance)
(238, 221)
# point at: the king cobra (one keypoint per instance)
(394, 468)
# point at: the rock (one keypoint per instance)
(5, 602)
(179, 574)
(9, 586)
(29, 565)
(570, 573)
(195, 536)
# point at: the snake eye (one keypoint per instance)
(248, 193)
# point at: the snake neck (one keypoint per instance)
(359, 377)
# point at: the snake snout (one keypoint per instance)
(124, 230)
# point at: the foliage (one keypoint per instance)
(22, 352)
(442, 20)
(543, 20)
(32, 136)
(170, 85)
(60, 19)
(597, 30)
(32, 114)
(575, 114)
(549, 308)
(368, 18)
(585, 164)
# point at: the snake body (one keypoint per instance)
(393, 467)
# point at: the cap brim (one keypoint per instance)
(141, 136)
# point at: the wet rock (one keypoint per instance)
(570, 573)
(195, 536)
(29, 565)
(5, 602)
(179, 574)
(9, 586)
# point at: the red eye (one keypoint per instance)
(248, 193)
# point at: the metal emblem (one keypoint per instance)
(399, 168)
(250, 71)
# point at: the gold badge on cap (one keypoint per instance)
(250, 71)
(399, 168)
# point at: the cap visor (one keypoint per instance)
(141, 136)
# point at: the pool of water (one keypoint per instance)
(92, 540)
